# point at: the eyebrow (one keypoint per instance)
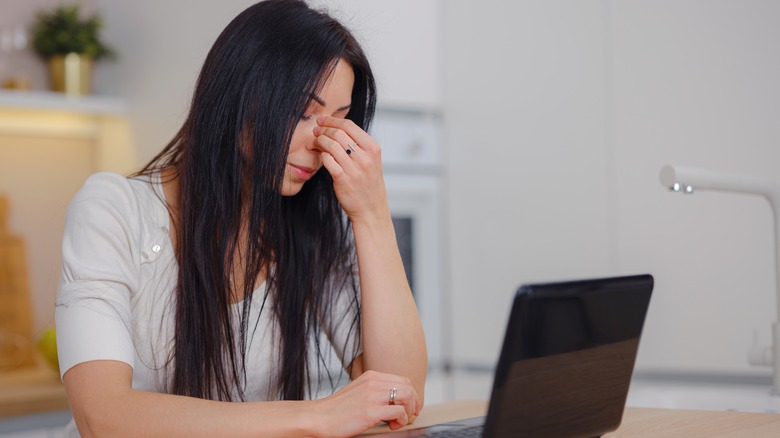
(319, 100)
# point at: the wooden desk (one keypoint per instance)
(637, 422)
(647, 422)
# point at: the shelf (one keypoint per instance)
(51, 101)
(45, 119)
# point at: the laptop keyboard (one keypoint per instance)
(466, 432)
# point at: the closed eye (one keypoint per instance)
(322, 103)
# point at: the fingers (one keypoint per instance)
(342, 153)
(354, 161)
(366, 401)
(390, 393)
(395, 391)
(333, 167)
(352, 130)
(395, 416)
(406, 396)
(337, 149)
(339, 136)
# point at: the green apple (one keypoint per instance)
(47, 346)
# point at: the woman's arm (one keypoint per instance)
(393, 339)
(104, 404)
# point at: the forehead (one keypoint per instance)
(337, 89)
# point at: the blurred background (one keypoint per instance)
(522, 140)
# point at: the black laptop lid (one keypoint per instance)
(567, 359)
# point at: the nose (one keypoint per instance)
(311, 140)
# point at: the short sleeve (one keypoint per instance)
(100, 269)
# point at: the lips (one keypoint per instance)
(301, 172)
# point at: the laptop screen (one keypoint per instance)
(567, 358)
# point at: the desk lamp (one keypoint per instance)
(687, 180)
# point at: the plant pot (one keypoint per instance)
(71, 74)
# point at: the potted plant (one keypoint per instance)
(69, 44)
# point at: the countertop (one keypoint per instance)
(31, 390)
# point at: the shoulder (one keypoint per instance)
(104, 199)
(113, 224)
(118, 189)
(119, 196)
(104, 185)
(128, 208)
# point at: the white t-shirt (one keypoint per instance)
(116, 301)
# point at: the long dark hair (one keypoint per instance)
(256, 82)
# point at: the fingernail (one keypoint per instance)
(320, 120)
(317, 129)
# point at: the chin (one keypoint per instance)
(291, 189)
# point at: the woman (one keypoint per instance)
(254, 259)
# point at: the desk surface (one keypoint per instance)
(637, 422)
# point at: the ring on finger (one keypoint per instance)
(351, 148)
(393, 393)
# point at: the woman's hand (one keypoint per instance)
(365, 402)
(354, 161)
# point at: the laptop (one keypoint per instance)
(566, 362)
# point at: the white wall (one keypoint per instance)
(402, 40)
(527, 160)
(559, 116)
(696, 83)
(161, 47)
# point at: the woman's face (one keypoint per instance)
(334, 99)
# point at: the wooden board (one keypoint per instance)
(31, 390)
(15, 314)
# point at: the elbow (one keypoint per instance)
(96, 421)
(99, 396)
(89, 424)
(86, 424)
(421, 394)
(419, 384)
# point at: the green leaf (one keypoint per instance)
(61, 31)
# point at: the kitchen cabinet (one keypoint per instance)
(49, 144)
